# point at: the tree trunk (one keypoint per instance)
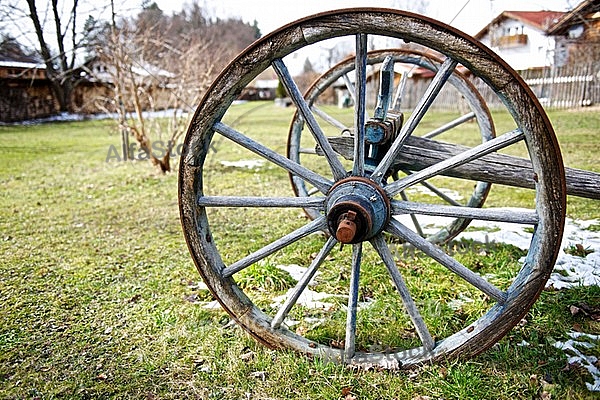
(60, 81)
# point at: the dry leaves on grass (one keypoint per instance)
(585, 310)
(347, 394)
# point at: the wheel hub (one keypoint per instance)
(357, 209)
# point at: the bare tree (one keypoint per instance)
(58, 36)
(165, 63)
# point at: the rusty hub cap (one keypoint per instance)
(357, 210)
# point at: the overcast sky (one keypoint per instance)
(271, 14)
(469, 16)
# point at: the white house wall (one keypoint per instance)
(538, 52)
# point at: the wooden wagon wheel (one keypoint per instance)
(359, 207)
(301, 149)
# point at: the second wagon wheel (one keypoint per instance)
(337, 84)
(244, 225)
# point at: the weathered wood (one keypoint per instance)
(419, 153)
(361, 95)
(483, 214)
(349, 345)
(262, 202)
(411, 308)
(282, 72)
(318, 181)
(312, 227)
(477, 335)
(461, 158)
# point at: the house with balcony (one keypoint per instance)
(519, 37)
(557, 53)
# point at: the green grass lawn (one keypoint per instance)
(99, 297)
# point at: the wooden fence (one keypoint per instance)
(566, 87)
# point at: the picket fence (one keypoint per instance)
(566, 87)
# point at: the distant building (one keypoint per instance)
(25, 92)
(264, 87)
(95, 89)
(577, 35)
(519, 37)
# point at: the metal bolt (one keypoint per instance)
(346, 230)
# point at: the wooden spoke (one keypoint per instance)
(302, 283)
(452, 124)
(440, 194)
(484, 214)
(312, 227)
(433, 251)
(400, 92)
(388, 259)
(267, 202)
(328, 118)
(336, 166)
(430, 94)
(358, 168)
(413, 217)
(350, 87)
(349, 346)
(472, 154)
(316, 180)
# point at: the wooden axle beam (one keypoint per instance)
(419, 153)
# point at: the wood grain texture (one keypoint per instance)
(419, 153)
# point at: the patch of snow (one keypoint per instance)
(569, 270)
(212, 305)
(576, 347)
(297, 271)
(290, 322)
(314, 322)
(308, 298)
(453, 194)
(455, 304)
(20, 64)
(500, 232)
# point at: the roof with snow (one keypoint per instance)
(20, 64)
